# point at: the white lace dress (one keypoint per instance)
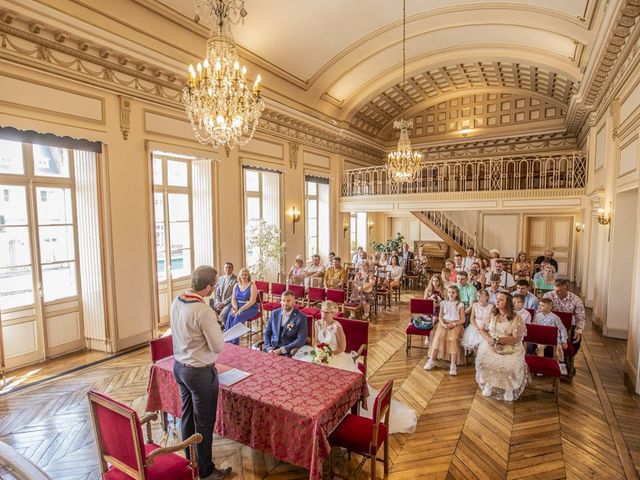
(502, 376)
(471, 338)
(402, 419)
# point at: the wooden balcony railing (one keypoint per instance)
(567, 170)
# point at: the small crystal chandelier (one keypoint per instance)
(222, 108)
(403, 165)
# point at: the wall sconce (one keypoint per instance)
(603, 218)
(579, 227)
(370, 224)
(294, 213)
(465, 131)
(345, 229)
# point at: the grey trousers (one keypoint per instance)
(199, 394)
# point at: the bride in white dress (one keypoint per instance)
(327, 330)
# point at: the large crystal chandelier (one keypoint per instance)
(403, 165)
(222, 108)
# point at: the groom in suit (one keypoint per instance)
(286, 328)
(221, 301)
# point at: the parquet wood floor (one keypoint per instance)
(592, 432)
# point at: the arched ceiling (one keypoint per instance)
(345, 55)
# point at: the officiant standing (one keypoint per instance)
(197, 340)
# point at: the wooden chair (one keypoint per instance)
(298, 292)
(123, 454)
(382, 290)
(315, 296)
(547, 367)
(259, 317)
(273, 302)
(421, 307)
(336, 296)
(262, 287)
(356, 333)
(365, 436)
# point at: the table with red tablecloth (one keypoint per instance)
(285, 407)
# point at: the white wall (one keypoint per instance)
(501, 231)
(412, 229)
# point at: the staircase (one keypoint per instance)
(458, 238)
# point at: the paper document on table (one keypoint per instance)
(232, 376)
(236, 331)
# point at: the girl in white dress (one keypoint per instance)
(479, 317)
(327, 330)
(501, 371)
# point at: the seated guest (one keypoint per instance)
(421, 263)
(544, 316)
(356, 256)
(548, 257)
(546, 281)
(541, 271)
(314, 272)
(480, 312)
(485, 267)
(296, 272)
(384, 259)
(244, 301)
(506, 279)
(522, 267)
(445, 274)
(502, 376)
(565, 301)
(470, 259)
(530, 300)
(335, 276)
(406, 258)
(468, 294)
(329, 264)
(474, 279)
(453, 273)
(363, 257)
(287, 327)
(362, 288)
(494, 288)
(435, 290)
(221, 301)
(395, 272)
(518, 305)
(458, 266)
(494, 255)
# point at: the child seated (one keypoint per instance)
(518, 306)
(544, 316)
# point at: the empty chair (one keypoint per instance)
(277, 289)
(315, 295)
(544, 366)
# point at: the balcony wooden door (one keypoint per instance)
(552, 233)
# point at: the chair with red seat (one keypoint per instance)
(315, 295)
(277, 289)
(421, 307)
(548, 367)
(569, 353)
(365, 436)
(122, 453)
(257, 317)
(298, 292)
(262, 287)
(161, 348)
(356, 333)
(336, 296)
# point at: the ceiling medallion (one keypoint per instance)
(403, 165)
(222, 108)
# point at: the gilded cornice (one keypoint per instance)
(620, 50)
(41, 47)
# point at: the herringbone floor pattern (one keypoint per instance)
(592, 432)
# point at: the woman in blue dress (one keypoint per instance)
(244, 301)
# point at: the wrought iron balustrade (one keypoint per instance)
(550, 171)
(449, 226)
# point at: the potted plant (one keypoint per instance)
(390, 245)
(264, 245)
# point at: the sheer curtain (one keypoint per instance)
(202, 212)
(271, 214)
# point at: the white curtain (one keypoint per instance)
(271, 214)
(361, 219)
(202, 209)
(324, 225)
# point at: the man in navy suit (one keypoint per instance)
(286, 328)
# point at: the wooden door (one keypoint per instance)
(552, 233)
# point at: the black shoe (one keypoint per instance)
(218, 474)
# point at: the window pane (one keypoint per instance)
(177, 173)
(312, 229)
(312, 248)
(14, 246)
(178, 207)
(11, 157)
(54, 206)
(251, 181)
(157, 171)
(160, 236)
(253, 209)
(56, 244)
(50, 161)
(16, 287)
(158, 207)
(13, 205)
(311, 188)
(59, 281)
(180, 263)
(179, 235)
(312, 209)
(162, 268)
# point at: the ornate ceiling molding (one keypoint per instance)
(44, 48)
(620, 49)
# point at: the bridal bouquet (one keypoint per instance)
(321, 353)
